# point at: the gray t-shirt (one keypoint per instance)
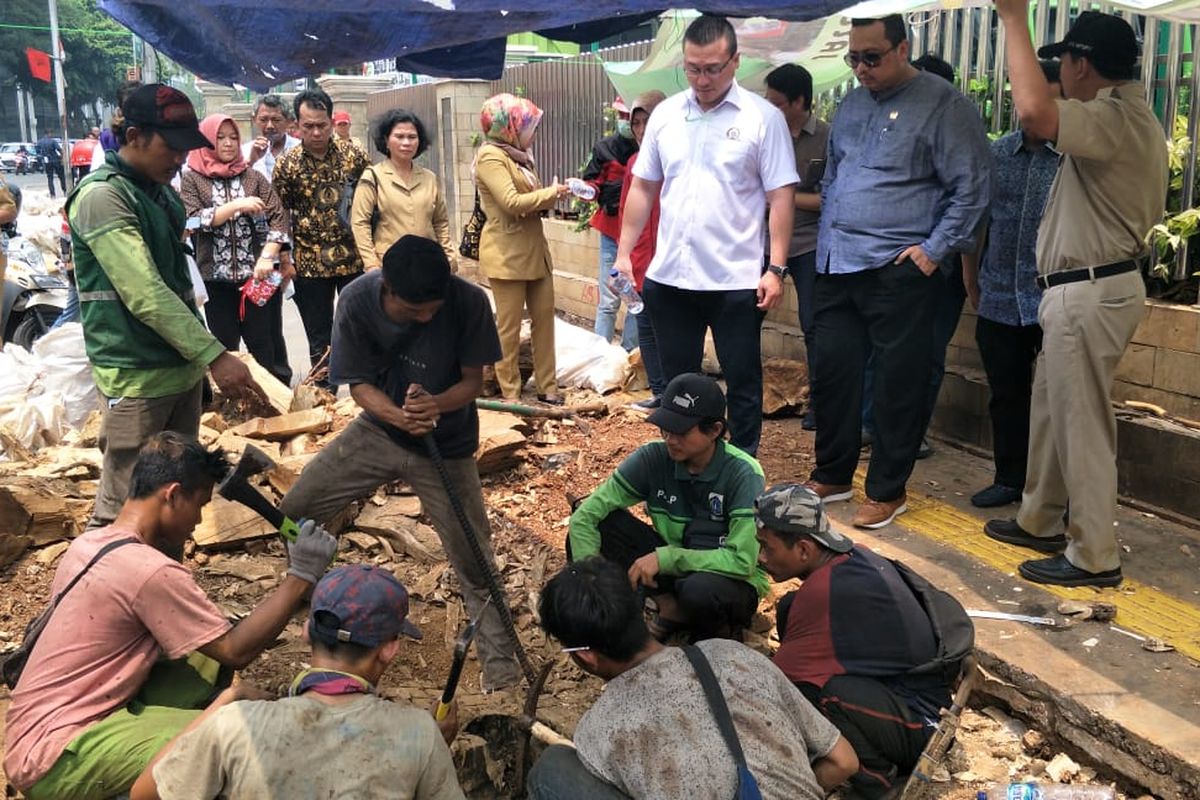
(369, 348)
(652, 735)
(301, 748)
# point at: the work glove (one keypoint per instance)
(310, 555)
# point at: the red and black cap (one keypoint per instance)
(168, 111)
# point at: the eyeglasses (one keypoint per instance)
(692, 71)
(870, 59)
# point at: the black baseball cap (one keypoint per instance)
(688, 400)
(168, 111)
(1105, 39)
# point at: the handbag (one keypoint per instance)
(14, 664)
(346, 200)
(747, 787)
(469, 246)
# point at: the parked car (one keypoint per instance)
(8, 157)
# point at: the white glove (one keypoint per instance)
(310, 555)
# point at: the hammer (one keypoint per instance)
(236, 486)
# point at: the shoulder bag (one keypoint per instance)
(14, 664)
(747, 787)
(469, 246)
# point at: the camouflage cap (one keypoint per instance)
(793, 508)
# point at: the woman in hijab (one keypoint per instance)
(513, 253)
(240, 226)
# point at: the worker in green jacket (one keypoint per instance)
(697, 564)
(142, 330)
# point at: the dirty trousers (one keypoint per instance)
(127, 425)
(1072, 430)
(360, 460)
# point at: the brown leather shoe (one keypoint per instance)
(830, 493)
(877, 513)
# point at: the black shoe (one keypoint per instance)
(809, 423)
(925, 450)
(995, 495)
(868, 438)
(1009, 532)
(1060, 572)
(648, 404)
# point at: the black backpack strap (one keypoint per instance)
(108, 548)
(716, 702)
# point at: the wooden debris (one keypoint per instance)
(307, 396)
(12, 546)
(47, 511)
(362, 541)
(499, 441)
(454, 619)
(279, 397)
(224, 523)
(286, 472)
(48, 555)
(785, 384)
(393, 513)
(88, 434)
(298, 445)
(413, 538)
(426, 585)
(245, 570)
(286, 426)
(211, 419)
(235, 445)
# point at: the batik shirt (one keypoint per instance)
(310, 188)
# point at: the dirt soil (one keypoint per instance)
(529, 511)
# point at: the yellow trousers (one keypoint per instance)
(512, 298)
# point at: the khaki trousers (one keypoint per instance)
(360, 460)
(130, 422)
(1072, 429)
(512, 298)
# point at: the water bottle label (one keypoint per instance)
(1023, 791)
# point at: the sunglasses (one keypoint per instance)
(869, 59)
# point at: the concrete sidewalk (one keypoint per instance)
(1130, 711)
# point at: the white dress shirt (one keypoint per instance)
(266, 164)
(716, 168)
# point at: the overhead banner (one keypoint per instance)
(764, 44)
(39, 64)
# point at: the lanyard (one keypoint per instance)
(329, 682)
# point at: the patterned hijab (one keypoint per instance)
(508, 122)
(204, 159)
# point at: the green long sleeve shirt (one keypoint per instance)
(724, 492)
(101, 216)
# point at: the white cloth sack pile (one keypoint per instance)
(46, 392)
(585, 361)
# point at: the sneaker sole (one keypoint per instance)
(1053, 548)
(838, 497)
(1107, 583)
(883, 523)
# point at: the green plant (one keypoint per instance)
(1167, 237)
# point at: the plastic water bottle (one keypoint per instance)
(1045, 791)
(581, 189)
(622, 287)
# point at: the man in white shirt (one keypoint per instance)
(270, 121)
(720, 157)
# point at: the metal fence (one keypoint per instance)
(573, 93)
(422, 101)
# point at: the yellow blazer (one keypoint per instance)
(512, 245)
(417, 207)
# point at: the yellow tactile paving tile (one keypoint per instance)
(1141, 608)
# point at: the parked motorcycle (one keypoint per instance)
(33, 296)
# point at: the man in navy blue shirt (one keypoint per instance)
(50, 149)
(1003, 289)
(906, 185)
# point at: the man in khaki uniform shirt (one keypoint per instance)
(1110, 189)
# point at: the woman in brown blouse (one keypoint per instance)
(242, 226)
(396, 197)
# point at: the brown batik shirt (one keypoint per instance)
(310, 188)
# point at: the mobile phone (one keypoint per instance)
(814, 172)
(193, 224)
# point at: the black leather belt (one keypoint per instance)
(1086, 274)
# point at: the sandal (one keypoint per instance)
(551, 399)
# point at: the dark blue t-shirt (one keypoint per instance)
(369, 348)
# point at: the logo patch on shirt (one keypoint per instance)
(716, 505)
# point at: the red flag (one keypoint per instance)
(39, 64)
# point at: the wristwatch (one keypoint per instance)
(777, 271)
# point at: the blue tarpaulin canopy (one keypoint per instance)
(262, 43)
